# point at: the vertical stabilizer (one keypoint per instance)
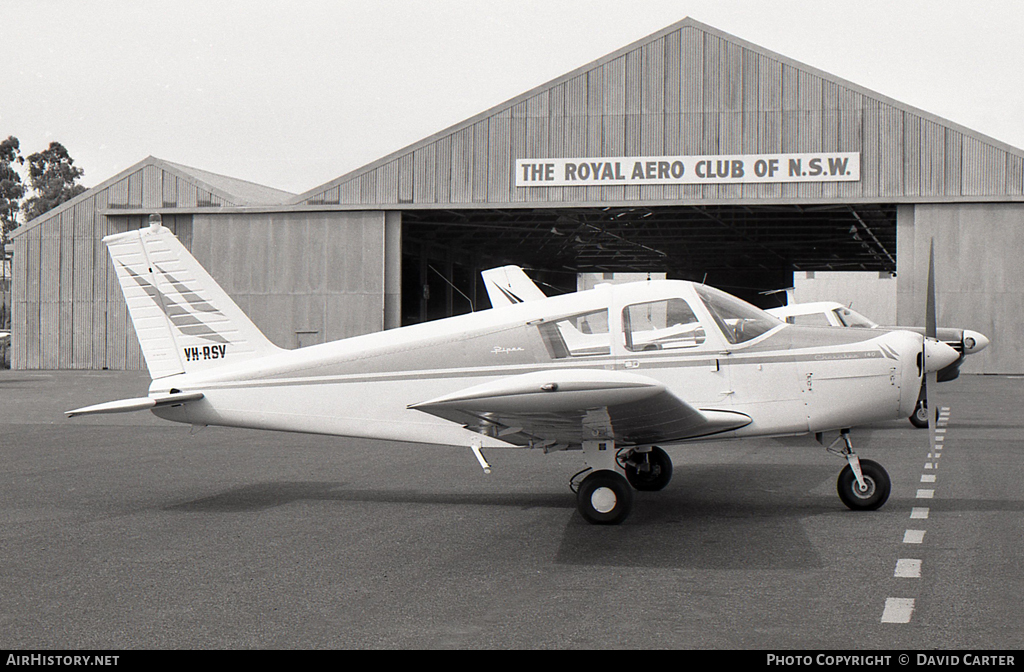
(184, 320)
(509, 285)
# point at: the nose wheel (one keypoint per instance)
(868, 494)
(919, 418)
(863, 485)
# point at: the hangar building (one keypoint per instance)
(690, 152)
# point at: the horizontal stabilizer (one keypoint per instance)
(137, 404)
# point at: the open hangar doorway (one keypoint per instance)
(747, 250)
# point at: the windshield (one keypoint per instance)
(738, 320)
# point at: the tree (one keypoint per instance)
(52, 175)
(11, 188)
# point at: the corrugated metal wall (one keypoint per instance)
(685, 91)
(303, 278)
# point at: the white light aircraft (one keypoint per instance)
(615, 372)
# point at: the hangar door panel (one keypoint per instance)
(303, 278)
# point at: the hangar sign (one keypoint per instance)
(706, 169)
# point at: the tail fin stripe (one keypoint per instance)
(194, 300)
(179, 316)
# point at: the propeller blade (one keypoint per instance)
(929, 314)
(931, 375)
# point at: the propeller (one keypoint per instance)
(936, 354)
(931, 352)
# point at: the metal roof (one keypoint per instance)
(688, 89)
(154, 184)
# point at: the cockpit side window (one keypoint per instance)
(668, 324)
(739, 321)
(580, 335)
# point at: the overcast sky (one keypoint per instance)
(293, 94)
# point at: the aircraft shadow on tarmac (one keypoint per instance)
(269, 495)
(720, 516)
(715, 516)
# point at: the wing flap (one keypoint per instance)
(569, 406)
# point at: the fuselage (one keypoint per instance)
(709, 349)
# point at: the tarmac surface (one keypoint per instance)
(128, 532)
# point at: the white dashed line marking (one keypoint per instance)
(898, 609)
(913, 537)
(908, 568)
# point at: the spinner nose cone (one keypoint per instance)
(938, 355)
(974, 342)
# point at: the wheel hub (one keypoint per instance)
(603, 499)
(864, 492)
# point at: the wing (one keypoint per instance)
(556, 409)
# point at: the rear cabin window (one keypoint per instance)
(583, 335)
(669, 324)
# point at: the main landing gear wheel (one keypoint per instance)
(875, 491)
(649, 471)
(604, 498)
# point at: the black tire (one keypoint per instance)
(654, 475)
(875, 478)
(919, 418)
(604, 498)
